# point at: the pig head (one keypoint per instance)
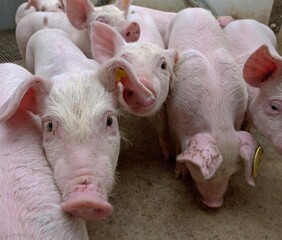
(263, 72)
(82, 12)
(152, 64)
(204, 159)
(80, 131)
(253, 45)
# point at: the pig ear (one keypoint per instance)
(78, 12)
(31, 3)
(123, 5)
(202, 153)
(104, 40)
(24, 97)
(117, 71)
(247, 149)
(259, 66)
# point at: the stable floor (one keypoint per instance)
(150, 204)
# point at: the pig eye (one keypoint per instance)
(49, 126)
(109, 121)
(164, 65)
(274, 107)
(103, 19)
(43, 9)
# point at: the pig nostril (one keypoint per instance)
(128, 34)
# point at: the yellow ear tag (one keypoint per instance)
(120, 74)
(124, 3)
(257, 160)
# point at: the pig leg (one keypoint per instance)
(161, 123)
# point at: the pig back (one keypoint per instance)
(245, 36)
(195, 28)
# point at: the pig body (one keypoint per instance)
(35, 21)
(162, 19)
(153, 65)
(77, 107)
(38, 5)
(254, 47)
(79, 14)
(30, 201)
(206, 106)
(148, 29)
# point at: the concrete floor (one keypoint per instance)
(150, 204)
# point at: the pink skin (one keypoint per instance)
(261, 65)
(30, 200)
(153, 66)
(22, 12)
(207, 109)
(162, 19)
(79, 14)
(46, 5)
(149, 30)
(73, 121)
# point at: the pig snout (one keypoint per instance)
(213, 202)
(131, 33)
(86, 202)
(139, 103)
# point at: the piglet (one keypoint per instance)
(253, 45)
(81, 13)
(38, 5)
(30, 200)
(206, 106)
(153, 65)
(78, 112)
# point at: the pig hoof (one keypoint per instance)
(89, 207)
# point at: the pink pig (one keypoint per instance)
(253, 46)
(79, 14)
(38, 5)
(79, 117)
(153, 65)
(30, 200)
(206, 106)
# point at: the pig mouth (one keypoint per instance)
(89, 205)
(138, 103)
(213, 202)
